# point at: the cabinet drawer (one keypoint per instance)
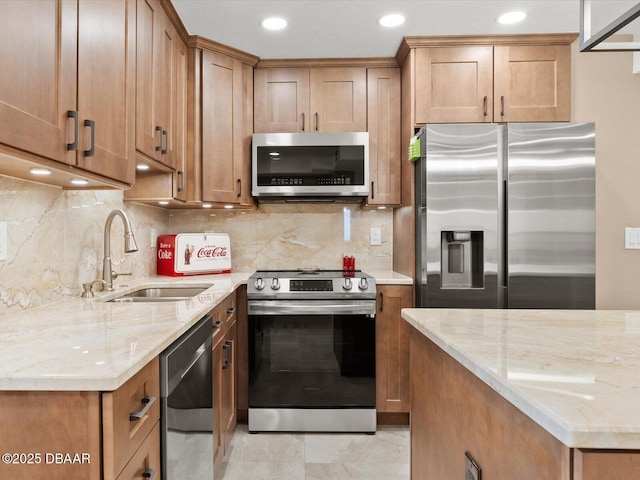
(146, 461)
(128, 415)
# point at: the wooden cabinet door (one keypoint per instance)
(178, 139)
(392, 349)
(106, 87)
(281, 102)
(243, 154)
(383, 119)
(221, 120)
(338, 99)
(38, 83)
(454, 84)
(218, 437)
(532, 83)
(229, 398)
(149, 32)
(145, 462)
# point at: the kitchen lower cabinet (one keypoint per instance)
(70, 97)
(392, 349)
(225, 351)
(454, 412)
(107, 436)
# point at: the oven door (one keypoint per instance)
(312, 354)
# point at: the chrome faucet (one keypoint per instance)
(129, 246)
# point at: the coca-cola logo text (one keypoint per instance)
(212, 251)
(165, 254)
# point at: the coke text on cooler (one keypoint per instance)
(193, 254)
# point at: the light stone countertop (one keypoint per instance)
(390, 278)
(575, 373)
(80, 344)
(85, 344)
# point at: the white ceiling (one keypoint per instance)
(348, 28)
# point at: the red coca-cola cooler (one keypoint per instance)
(193, 254)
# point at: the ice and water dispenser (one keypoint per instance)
(461, 261)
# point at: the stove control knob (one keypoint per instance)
(363, 284)
(346, 284)
(275, 283)
(259, 284)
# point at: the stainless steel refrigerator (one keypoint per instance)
(505, 216)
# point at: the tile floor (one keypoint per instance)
(319, 456)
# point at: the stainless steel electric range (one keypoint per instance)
(312, 351)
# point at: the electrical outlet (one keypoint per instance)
(376, 236)
(3, 241)
(631, 238)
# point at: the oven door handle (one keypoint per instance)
(311, 307)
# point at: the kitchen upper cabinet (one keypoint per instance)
(165, 180)
(454, 84)
(383, 119)
(323, 99)
(532, 83)
(38, 53)
(155, 81)
(281, 97)
(70, 94)
(506, 78)
(226, 99)
(392, 349)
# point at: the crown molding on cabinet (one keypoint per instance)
(458, 40)
(368, 62)
(195, 41)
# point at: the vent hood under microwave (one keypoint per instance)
(308, 166)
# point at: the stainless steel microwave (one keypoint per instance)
(290, 166)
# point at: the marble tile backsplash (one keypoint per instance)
(55, 241)
(55, 238)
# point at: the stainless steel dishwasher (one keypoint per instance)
(186, 406)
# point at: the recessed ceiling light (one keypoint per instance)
(163, 202)
(142, 166)
(274, 23)
(79, 181)
(206, 205)
(228, 206)
(391, 20)
(511, 18)
(40, 171)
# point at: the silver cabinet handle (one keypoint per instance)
(181, 181)
(92, 150)
(485, 106)
(73, 114)
(303, 121)
(502, 106)
(165, 136)
(159, 146)
(231, 310)
(228, 349)
(218, 324)
(147, 400)
(149, 473)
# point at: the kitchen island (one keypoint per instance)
(546, 394)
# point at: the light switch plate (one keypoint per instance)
(3, 241)
(376, 236)
(631, 238)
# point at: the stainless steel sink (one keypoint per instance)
(160, 294)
